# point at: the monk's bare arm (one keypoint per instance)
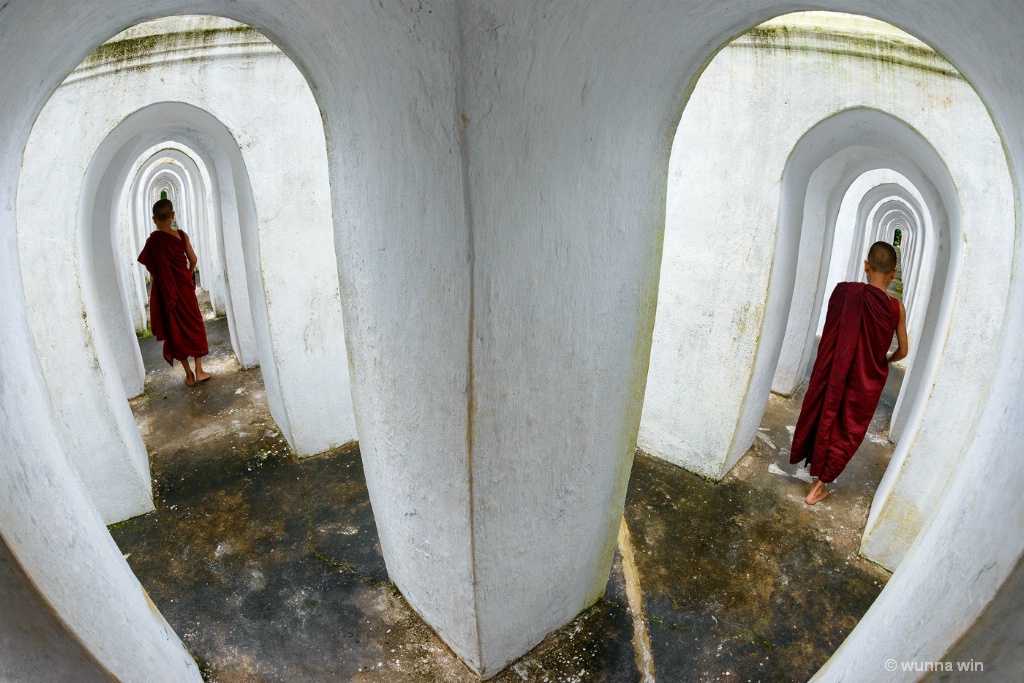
(902, 345)
(192, 260)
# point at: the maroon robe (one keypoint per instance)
(848, 377)
(173, 307)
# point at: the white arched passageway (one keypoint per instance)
(127, 281)
(836, 253)
(875, 210)
(171, 185)
(135, 223)
(882, 209)
(286, 252)
(753, 204)
(870, 199)
(895, 221)
(851, 241)
(489, 204)
(230, 282)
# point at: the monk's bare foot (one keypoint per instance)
(201, 375)
(817, 493)
(190, 379)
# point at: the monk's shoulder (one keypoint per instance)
(845, 288)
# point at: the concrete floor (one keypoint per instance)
(269, 568)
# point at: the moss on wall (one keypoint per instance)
(884, 49)
(129, 52)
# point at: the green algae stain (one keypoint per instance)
(127, 51)
(885, 51)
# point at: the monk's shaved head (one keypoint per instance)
(163, 209)
(882, 257)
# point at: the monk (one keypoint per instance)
(173, 307)
(850, 370)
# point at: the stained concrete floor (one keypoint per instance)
(269, 567)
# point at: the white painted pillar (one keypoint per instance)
(83, 378)
(48, 525)
(127, 226)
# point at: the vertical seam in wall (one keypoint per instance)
(462, 126)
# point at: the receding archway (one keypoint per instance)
(731, 324)
(294, 356)
(134, 224)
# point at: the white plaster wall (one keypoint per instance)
(128, 239)
(578, 102)
(95, 423)
(724, 181)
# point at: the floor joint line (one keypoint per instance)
(641, 638)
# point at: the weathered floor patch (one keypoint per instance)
(269, 568)
(739, 582)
